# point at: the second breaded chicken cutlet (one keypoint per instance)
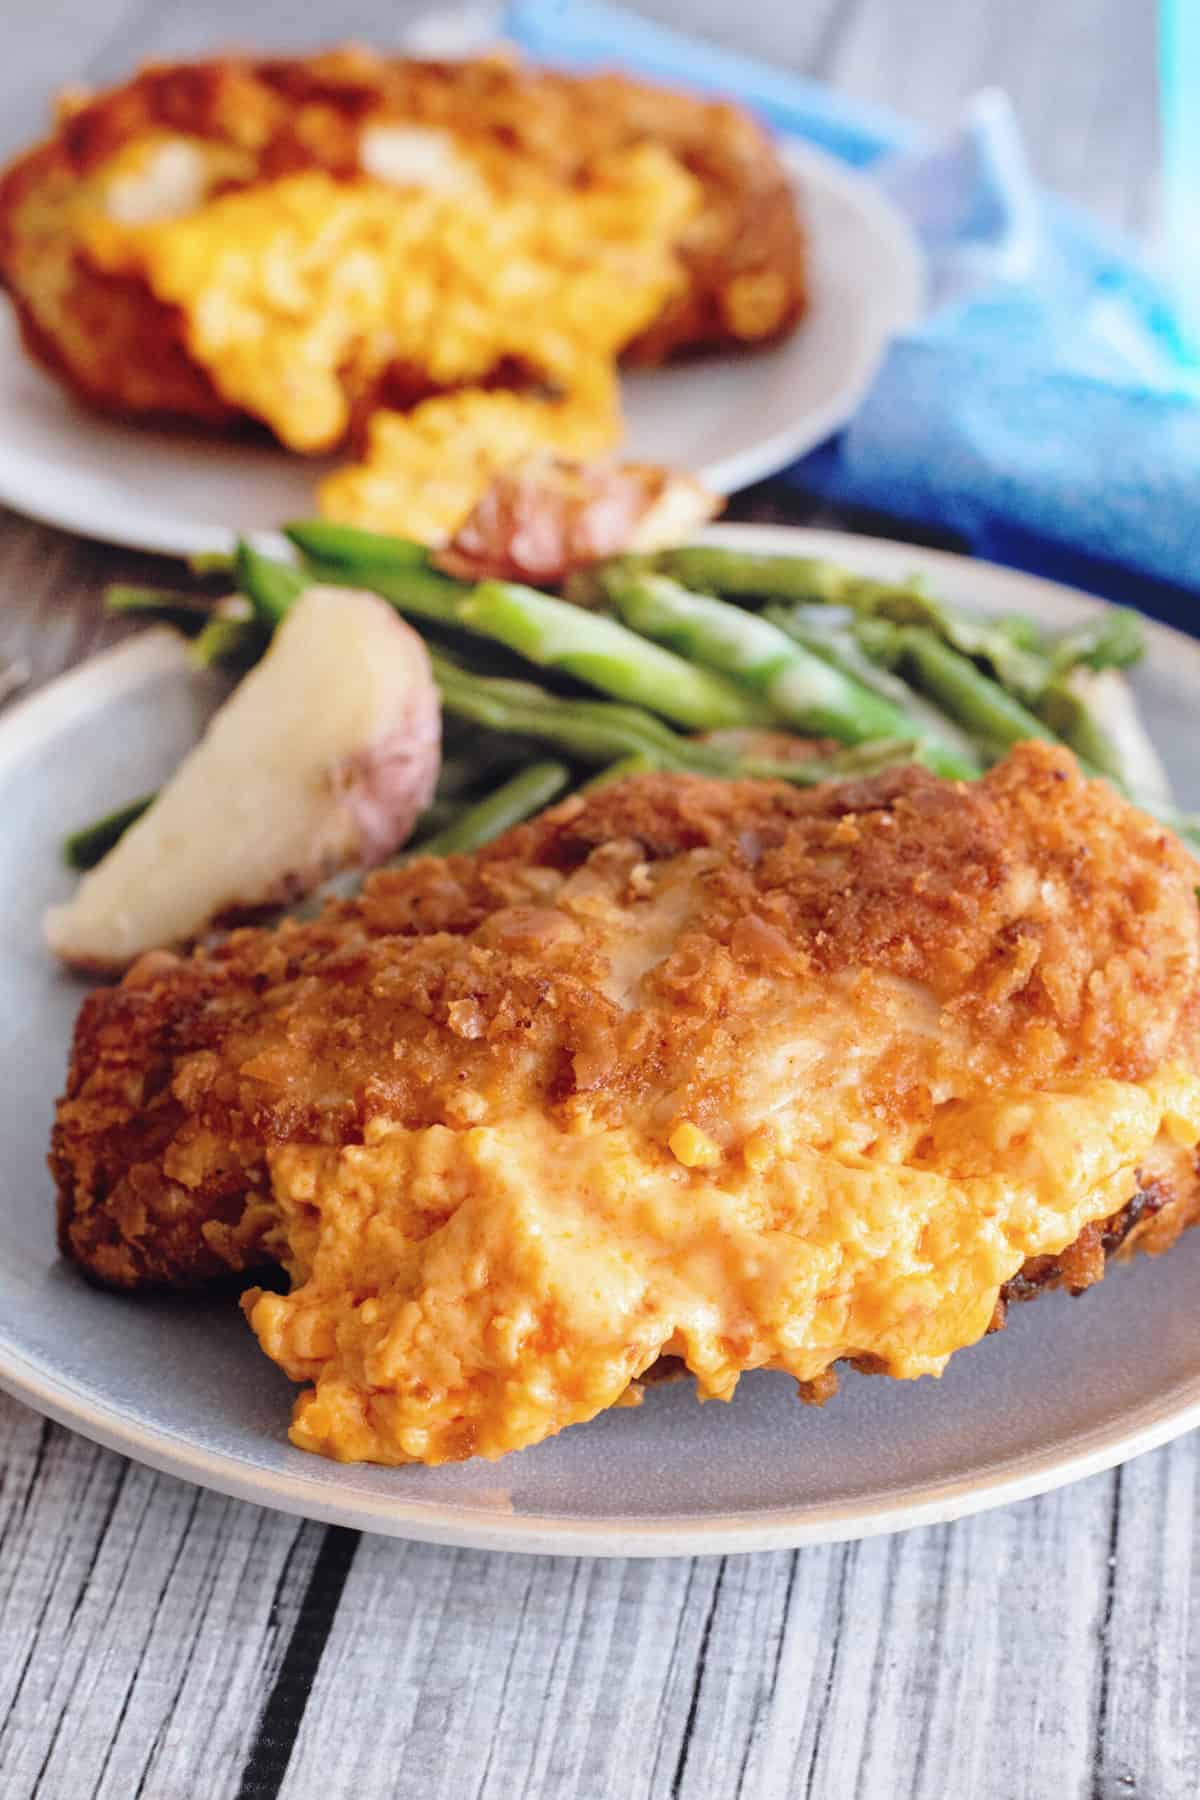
(733, 1073)
(437, 262)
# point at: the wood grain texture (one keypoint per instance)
(141, 1618)
(1043, 1649)
(162, 1642)
(980, 1659)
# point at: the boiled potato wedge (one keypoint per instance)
(320, 760)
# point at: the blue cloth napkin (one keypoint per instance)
(1045, 409)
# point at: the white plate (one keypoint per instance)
(1069, 1388)
(733, 419)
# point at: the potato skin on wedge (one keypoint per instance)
(320, 760)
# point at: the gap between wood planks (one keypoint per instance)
(283, 1709)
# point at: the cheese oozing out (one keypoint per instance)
(296, 293)
(469, 1291)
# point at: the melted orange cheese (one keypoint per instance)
(469, 1292)
(295, 293)
(424, 469)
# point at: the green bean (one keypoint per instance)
(526, 793)
(997, 721)
(1022, 672)
(798, 688)
(804, 688)
(597, 650)
(980, 705)
(816, 580)
(605, 731)
(352, 550)
(1114, 639)
(1095, 713)
(85, 848)
(188, 612)
(271, 587)
(1021, 631)
(946, 748)
(1065, 710)
(813, 771)
(228, 643)
(409, 587)
(211, 562)
(715, 569)
(424, 593)
(1013, 648)
(591, 731)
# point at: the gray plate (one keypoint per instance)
(1070, 1387)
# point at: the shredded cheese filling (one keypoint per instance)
(297, 294)
(470, 1292)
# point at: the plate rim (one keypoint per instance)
(895, 310)
(1153, 1422)
(895, 303)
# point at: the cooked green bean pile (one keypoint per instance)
(704, 659)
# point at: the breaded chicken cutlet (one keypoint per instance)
(106, 309)
(731, 1073)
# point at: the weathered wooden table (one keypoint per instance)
(159, 1641)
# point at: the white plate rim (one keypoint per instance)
(896, 308)
(896, 296)
(1152, 1423)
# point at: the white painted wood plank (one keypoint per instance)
(52, 585)
(1081, 74)
(957, 1660)
(1149, 1725)
(738, 1693)
(963, 1660)
(143, 1621)
(973, 1677)
(494, 1659)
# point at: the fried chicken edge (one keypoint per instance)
(123, 350)
(140, 1205)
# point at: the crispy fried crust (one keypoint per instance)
(1052, 922)
(121, 349)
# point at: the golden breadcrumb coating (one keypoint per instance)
(728, 1072)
